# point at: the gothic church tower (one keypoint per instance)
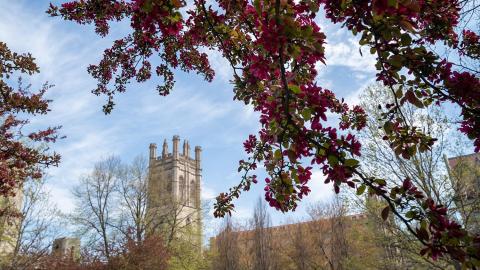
(173, 203)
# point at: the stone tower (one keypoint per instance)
(67, 247)
(10, 208)
(173, 203)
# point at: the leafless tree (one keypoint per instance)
(427, 170)
(113, 208)
(95, 210)
(299, 246)
(262, 252)
(36, 226)
(132, 189)
(226, 248)
(328, 232)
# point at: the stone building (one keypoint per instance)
(328, 243)
(10, 209)
(464, 172)
(67, 247)
(173, 204)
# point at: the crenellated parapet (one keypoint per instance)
(175, 154)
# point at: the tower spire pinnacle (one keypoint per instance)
(186, 149)
(165, 149)
(153, 151)
(176, 139)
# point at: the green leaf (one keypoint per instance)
(363, 41)
(412, 150)
(410, 214)
(295, 89)
(296, 50)
(277, 154)
(388, 127)
(423, 224)
(406, 39)
(333, 160)
(399, 93)
(385, 212)
(381, 182)
(387, 34)
(295, 176)
(351, 162)
(393, 3)
(412, 98)
(423, 234)
(361, 189)
(418, 103)
(147, 6)
(307, 114)
(393, 193)
(396, 61)
(256, 4)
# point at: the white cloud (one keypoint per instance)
(322, 77)
(346, 53)
(354, 97)
(62, 57)
(207, 193)
(184, 107)
(220, 65)
(61, 196)
(320, 190)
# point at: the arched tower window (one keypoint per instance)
(192, 193)
(169, 183)
(182, 187)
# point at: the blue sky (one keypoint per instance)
(204, 113)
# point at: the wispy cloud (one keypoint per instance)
(202, 112)
(62, 56)
(221, 66)
(320, 190)
(347, 53)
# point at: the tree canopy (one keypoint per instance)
(22, 155)
(273, 47)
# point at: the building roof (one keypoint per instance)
(453, 161)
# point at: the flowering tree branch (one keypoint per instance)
(276, 45)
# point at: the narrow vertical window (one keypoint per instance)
(192, 193)
(183, 186)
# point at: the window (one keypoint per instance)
(192, 193)
(169, 182)
(183, 186)
(169, 186)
